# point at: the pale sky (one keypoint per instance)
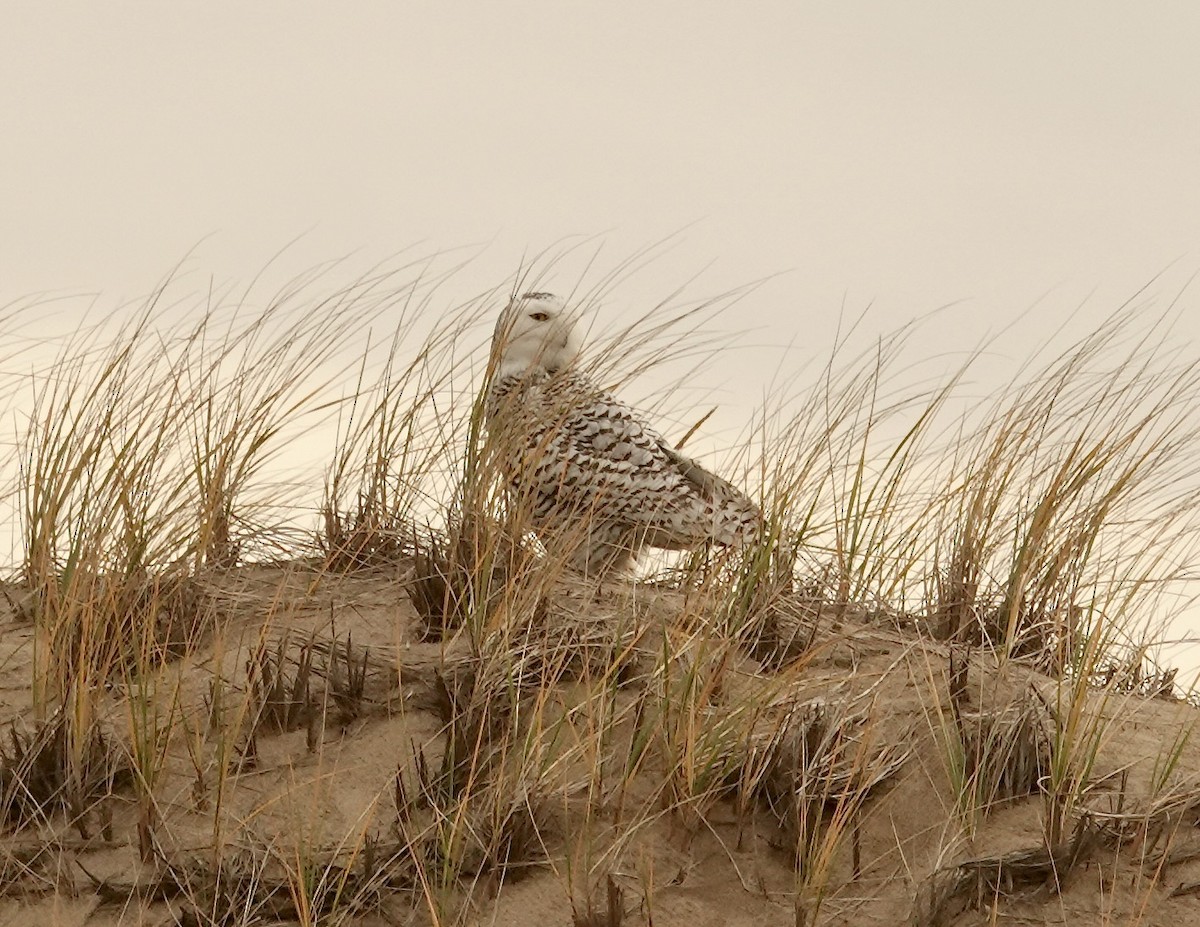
(909, 154)
(905, 155)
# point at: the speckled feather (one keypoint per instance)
(580, 460)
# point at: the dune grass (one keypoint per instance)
(1018, 560)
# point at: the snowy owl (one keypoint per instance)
(595, 482)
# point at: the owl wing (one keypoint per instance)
(607, 439)
(615, 457)
(707, 484)
(733, 516)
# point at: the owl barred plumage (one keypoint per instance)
(588, 474)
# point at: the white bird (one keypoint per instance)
(595, 482)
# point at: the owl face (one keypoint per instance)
(534, 332)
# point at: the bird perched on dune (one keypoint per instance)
(596, 483)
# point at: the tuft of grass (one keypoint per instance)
(50, 768)
(466, 576)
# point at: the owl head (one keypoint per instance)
(534, 332)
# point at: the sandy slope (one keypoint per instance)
(328, 783)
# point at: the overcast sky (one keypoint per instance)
(909, 154)
(904, 155)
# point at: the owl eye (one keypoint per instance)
(539, 316)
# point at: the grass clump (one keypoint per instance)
(49, 768)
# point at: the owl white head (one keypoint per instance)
(534, 332)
